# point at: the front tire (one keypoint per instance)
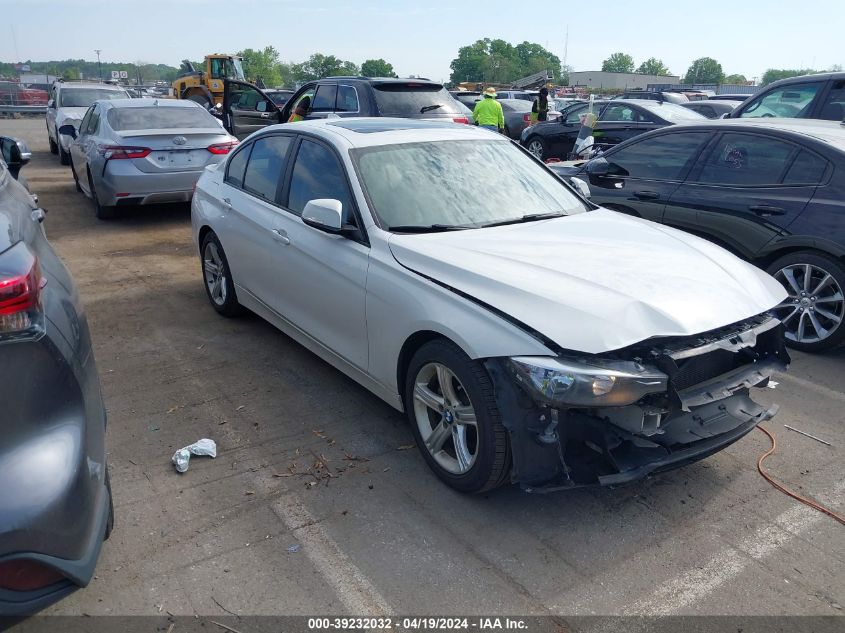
(219, 286)
(54, 147)
(75, 177)
(64, 157)
(814, 312)
(450, 404)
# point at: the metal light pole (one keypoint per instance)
(99, 65)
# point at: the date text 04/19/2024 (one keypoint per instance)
(428, 623)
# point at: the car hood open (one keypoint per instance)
(594, 282)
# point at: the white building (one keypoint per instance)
(617, 81)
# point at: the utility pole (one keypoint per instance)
(99, 65)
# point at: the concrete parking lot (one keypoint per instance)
(317, 503)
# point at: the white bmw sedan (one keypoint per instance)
(528, 335)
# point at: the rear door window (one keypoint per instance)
(347, 99)
(324, 98)
(788, 101)
(834, 105)
(318, 174)
(806, 169)
(266, 166)
(413, 99)
(746, 160)
(236, 167)
(664, 157)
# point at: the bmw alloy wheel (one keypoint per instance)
(445, 418)
(536, 148)
(214, 273)
(815, 307)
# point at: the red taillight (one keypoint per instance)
(117, 152)
(20, 292)
(27, 575)
(526, 118)
(461, 119)
(222, 148)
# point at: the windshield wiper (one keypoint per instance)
(429, 108)
(427, 228)
(531, 217)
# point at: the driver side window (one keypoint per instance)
(788, 101)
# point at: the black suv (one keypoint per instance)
(772, 191)
(246, 108)
(819, 96)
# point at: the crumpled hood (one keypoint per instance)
(596, 281)
(69, 115)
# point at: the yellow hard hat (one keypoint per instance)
(491, 91)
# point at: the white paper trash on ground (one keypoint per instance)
(201, 447)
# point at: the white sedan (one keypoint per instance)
(529, 335)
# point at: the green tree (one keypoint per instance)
(735, 79)
(618, 63)
(377, 68)
(318, 66)
(704, 70)
(70, 73)
(497, 61)
(262, 63)
(773, 74)
(653, 66)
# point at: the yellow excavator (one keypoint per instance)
(205, 86)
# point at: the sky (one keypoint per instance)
(421, 38)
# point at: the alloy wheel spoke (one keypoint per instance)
(216, 288)
(824, 283)
(447, 385)
(791, 314)
(801, 326)
(834, 298)
(462, 454)
(808, 277)
(465, 415)
(821, 332)
(789, 275)
(428, 397)
(211, 268)
(438, 437)
(828, 315)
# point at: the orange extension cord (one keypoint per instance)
(813, 504)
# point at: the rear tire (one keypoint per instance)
(102, 212)
(537, 146)
(54, 147)
(202, 100)
(217, 278)
(458, 428)
(75, 177)
(816, 284)
(110, 519)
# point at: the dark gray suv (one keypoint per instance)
(247, 108)
(55, 498)
(820, 96)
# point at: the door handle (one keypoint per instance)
(280, 236)
(265, 115)
(227, 202)
(646, 195)
(37, 215)
(765, 209)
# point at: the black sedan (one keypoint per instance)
(770, 190)
(618, 120)
(55, 498)
(711, 108)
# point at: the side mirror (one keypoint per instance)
(325, 214)
(261, 106)
(68, 130)
(598, 167)
(51, 103)
(582, 187)
(726, 115)
(15, 154)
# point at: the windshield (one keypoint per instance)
(413, 99)
(160, 118)
(239, 70)
(425, 184)
(227, 68)
(84, 97)
(517, 105)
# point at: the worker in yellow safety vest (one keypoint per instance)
(488, 112)
(301, 110)
(540, 107)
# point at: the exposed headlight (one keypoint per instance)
(575, 382)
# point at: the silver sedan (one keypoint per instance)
(142, 151)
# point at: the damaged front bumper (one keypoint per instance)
(705, 407)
